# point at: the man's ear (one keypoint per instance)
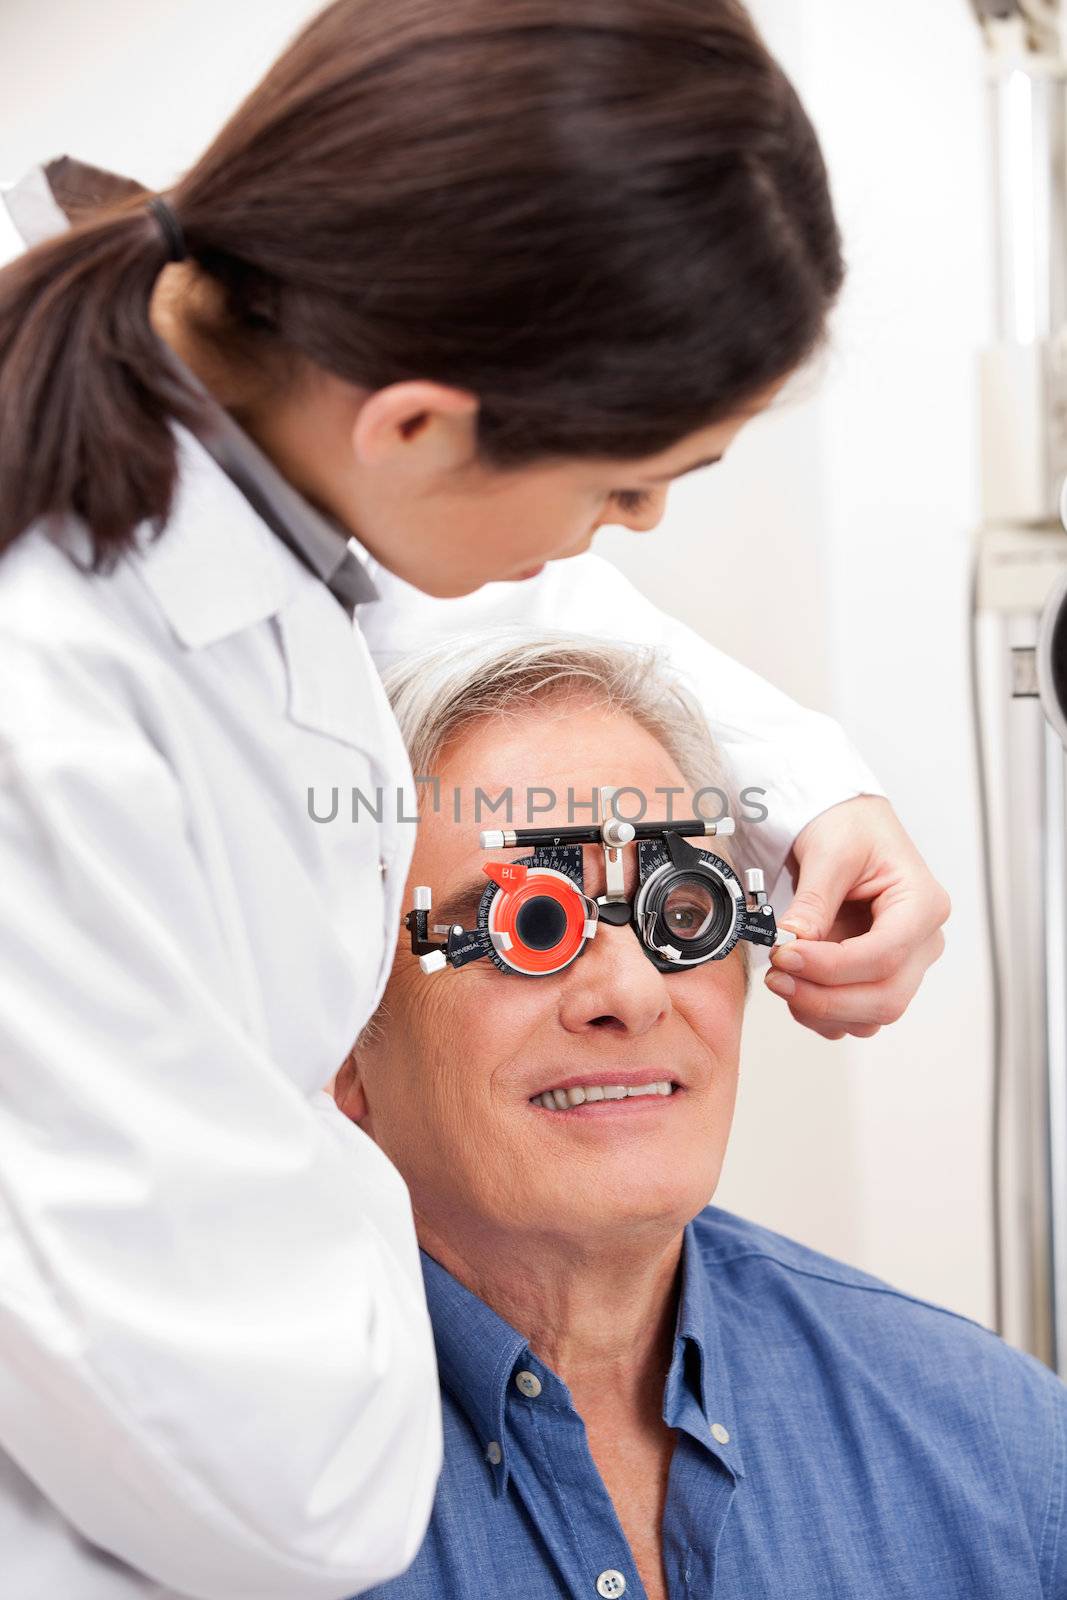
(348, 1091)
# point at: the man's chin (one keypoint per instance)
(639, 1217)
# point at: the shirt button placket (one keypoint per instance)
(611, 1584)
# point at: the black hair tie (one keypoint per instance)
(169, 227)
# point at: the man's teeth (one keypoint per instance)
(563, 1099)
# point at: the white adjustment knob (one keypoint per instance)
(754, 880)
(433, 962)
(785, 936)
(491, 839)
(423, 899)
(725, 827)
(616, 832)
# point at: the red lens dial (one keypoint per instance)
(540, 923)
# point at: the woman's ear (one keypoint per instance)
(348, 1091)
(416, 417)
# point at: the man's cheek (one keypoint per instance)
(717, 1014)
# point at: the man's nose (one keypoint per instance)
(613, 986)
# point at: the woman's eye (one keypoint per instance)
(631, 499)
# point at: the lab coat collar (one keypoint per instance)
(216, 569)
(323, 546)
(33, 209)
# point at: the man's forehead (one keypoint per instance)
(648, 788)
(525, 788)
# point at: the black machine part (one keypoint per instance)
(1051, 655)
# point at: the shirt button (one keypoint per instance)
(493, 1453)
(530, 1385)
(720, 1433)
(610, 1584)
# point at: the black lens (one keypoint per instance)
(1059, 665)
(541, 923)
(691, 911)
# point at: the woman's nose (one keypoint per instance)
(643, 521)
(614, 986)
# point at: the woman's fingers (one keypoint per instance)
(859, 1009)
(873, 958)
(869, 914)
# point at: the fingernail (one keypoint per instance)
(780, 984)
(787, 960)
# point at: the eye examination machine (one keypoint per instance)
(1020, 665)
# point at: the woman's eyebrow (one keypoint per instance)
(668, 477)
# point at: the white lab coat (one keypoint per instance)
(216, 1370)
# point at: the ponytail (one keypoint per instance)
(87, 390)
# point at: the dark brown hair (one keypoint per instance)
(609, 219)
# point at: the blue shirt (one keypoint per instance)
(836, 1440)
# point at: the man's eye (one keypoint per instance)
(631, 499)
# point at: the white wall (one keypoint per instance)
(832, 548)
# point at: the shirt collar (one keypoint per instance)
(195, 564)
(478, 1354)
(699, 1396)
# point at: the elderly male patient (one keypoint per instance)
(643, 1394)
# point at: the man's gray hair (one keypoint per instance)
(445, 688)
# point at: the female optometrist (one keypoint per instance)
(463, 282)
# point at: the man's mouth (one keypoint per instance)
(566, 1099)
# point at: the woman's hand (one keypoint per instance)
(868, 916)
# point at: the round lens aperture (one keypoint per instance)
(688, 910)
(541, 923)
(685, 915)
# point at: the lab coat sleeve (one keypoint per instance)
(215, 1357)
(796, 762)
